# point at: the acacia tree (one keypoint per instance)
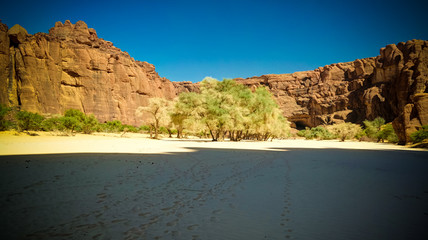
(186, 111)
(228, 108)
(158, 111)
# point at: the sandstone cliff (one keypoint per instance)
(72, 68)
(392, 85)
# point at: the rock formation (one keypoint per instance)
(392, 85)
(72, 68)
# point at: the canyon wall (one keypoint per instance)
(392, 85)
(70, 67)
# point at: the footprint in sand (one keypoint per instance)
(97, 236)
(192, 227)
(172, 223)
(144, 214)
(217, 211)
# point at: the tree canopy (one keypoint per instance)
(229, 109)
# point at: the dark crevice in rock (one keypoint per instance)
(71, 85)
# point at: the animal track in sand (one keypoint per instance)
(192, 227)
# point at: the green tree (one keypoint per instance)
(55, 123)
(387, 132)
(75, 120)
(372, 128)
(5, 123)
(158, 112)
(185, 111)
(28, 121)
(226, 108)
(420, 135)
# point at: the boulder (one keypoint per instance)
(17, 34)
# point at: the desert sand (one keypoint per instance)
(108, 187)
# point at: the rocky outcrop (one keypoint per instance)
(72, 68)
(392, 85)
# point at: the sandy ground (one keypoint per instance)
(107, 187)
(47, 143)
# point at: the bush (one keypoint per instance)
(345, 130)
(53, 124)
(420, 135)
(318, 132)
(71, 123)
(112, 126)
(372, 128)
(5, 123)
(387, 133)
(89, 124)
(29, 121)
(145, 128)
(130, 128)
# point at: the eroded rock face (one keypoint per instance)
(72, 68)
(392, 85)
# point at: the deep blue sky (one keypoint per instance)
(188, 40)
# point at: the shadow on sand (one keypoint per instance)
(216, 194)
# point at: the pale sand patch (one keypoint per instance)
(46, 143)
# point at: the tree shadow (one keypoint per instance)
(216, 194)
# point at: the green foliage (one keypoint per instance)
(71, 123)
(387, 133)
(228, 109)
(157, 110)
(89, 124)
(372, 128)
(28, 121)
(76, 121)
(53, 124)
(5, 122)
(319, 132)
(420, 135)
(114, 126)
(130, 128)
(345, 131)
(145, 128)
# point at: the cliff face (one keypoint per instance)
(72, 68)
(392, 85)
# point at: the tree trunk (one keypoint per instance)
(156, 128)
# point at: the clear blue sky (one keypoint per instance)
(188, 40)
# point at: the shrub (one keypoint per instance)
(53, 124)
(319, 132)
(145, 128)
(372, 128)
(71, 123)
(420, 135)
(130, 128)
(345, 130)
(29, 121)
(387, 133)
(112, 126)
(89, 124)
(5, 123)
